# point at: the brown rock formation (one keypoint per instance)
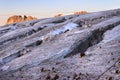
(58, 15)
(18, 18)
(81, 12)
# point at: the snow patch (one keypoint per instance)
(81, 31)
(4, 68)
(12, 27)
(112, 34)
(68, 26)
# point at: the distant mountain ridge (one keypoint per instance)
(19, 18)
(79, 12)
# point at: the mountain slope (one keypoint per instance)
(80, 47)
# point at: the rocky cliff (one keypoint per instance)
(73, 47)
(18, 18)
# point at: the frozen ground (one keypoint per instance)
(73, 47)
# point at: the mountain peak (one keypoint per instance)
(19, 18)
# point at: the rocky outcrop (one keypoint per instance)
(74, 47)
(18, 18)
(81, 12)
(58, 15)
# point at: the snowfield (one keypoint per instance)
(63, 29)
(73, 47)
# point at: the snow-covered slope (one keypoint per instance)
(73, 47)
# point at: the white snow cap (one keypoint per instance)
(68, 26)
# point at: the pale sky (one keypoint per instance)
(49, 8)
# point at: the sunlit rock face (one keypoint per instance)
(58, 15)
(81, 12)
(18, 18)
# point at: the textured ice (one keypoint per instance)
(112, 34)
(13, 27)
(4, 68)
(68, 26)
